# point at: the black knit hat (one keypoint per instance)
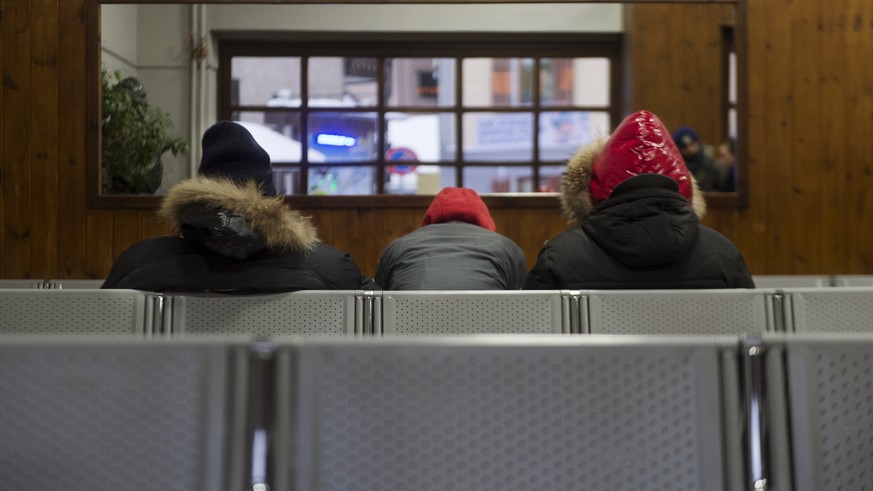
(230, 151)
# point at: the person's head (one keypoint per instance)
(726, 152)
(231, 152)
(458, 205)
(688, 141)
(641, 144)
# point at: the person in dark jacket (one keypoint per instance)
(457, 248)
(234, 233)
(636, 209)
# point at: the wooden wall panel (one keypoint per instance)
(3, 145)
(74, 249)
(832, 24)
(859, 150)
(810, 167)
(100, 253)
(768, 60)
(44, 151)
(676, 64)
(17, 101)
(805, 148)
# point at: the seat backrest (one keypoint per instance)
(738, 311)
(838, 309)
(853, 280)
(505, 412)
(80, 283)
(792, 281)
(831, 411)
(121, 414)
(16, 284)
(106, 312)
(474, 312)
(301, 313)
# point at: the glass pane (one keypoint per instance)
(418, 179)
(575, 81)
(497, 82)
(287, 180)
(498, 137)
(428, 82)
(343, 82)
(337, 180)
(265, 81)
(502, 179)
(277, 132)
(420, 137)
(550, 178)
(343, 136)
(562, 133)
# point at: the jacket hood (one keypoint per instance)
(458, 205)
(646, 222)
(236, 219)
(601, 165)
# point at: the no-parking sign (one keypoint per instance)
(400, 154)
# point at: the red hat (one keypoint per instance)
(640, 145)
(458, 205)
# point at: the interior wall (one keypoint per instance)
(810, 170)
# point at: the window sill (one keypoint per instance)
(501, 200)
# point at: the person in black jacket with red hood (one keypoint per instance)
(234, 234)
(636, 209)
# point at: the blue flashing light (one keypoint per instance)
(335, 140)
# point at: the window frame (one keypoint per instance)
(435, 45)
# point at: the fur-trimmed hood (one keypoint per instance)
(576, 202)
(234, 212)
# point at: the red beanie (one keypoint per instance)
(461, 205)
(640, 145)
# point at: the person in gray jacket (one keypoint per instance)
(457, 248)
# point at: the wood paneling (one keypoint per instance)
(18, 104)
(44, 150)
(675, 54)
(75, 246)
(810, 170)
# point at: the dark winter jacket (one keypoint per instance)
(233, 239)
(645, 236)
(636, 210)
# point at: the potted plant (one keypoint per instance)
(135, 136)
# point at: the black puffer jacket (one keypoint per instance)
(235, 240)
(645, 236)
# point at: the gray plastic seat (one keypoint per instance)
(728, 311)
(311, 312)
(793, 281)
(508, 412)
(838, 309)
(76, 284)
(827, 444)
(105, 312)
(145, 415)
(26, 284)
(853, 280)
(475, 312)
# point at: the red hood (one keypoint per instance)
(640, 145)
(461, 205)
